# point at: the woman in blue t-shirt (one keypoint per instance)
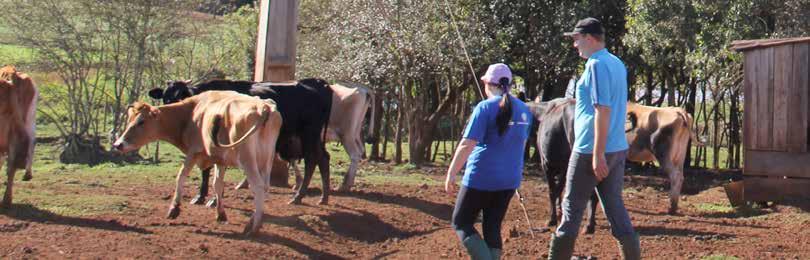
(492, 148)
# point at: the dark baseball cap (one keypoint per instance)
(588, 25)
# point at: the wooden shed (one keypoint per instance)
(776, 115)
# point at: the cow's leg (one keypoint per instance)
(553, 194)
(257, 187)
(323, 167)
(591, 227)
(9, 184)
(219, 191)
(675, 185)
(355, 152)
(309, 168)
(298, 178)
(174, 208)
(29, 173)
(200, 198)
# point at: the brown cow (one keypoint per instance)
(661, 134)
(196, 125)
(18, 101)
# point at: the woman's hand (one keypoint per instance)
(450, 184)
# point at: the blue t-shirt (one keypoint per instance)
(604, 82)
(496, 163)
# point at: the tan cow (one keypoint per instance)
(18, 101)
(661, 134)
(196, 125)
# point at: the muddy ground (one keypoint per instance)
(397, 221)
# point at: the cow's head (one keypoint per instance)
(176, 90)
(142, 127)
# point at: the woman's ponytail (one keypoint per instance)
(505, 107)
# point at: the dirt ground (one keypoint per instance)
(399, 222)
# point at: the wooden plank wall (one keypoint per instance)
(799, 105)
(782, 64)
(777, 94)
(777, 119)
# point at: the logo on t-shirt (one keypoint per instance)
(524, 120)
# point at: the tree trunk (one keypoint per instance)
(386, 112)
(375, 133)
(398, 131)
(690, 108)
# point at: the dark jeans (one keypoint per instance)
(470, 202)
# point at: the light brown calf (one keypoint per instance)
(197, 125)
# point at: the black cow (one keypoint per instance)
(555, 140)
(304, 109)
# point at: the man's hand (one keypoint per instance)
(450, 184)
(600, 168)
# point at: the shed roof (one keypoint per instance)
(746, 45)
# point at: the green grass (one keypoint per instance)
(714, 207)
(719, 257)
(723, 157)
(80, 190)
(16, 54)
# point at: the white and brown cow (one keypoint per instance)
(18, 101)
(349, 105)
(197, 126)
(661, 134)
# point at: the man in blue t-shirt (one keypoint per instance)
(600, 146)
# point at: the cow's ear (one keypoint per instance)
(156, 93)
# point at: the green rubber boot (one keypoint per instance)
(477, 248)
(496, 253)
(630, 247)
(561, 248)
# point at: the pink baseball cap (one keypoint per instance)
(497, 71)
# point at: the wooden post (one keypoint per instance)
(275, 57)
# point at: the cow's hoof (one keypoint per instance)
(222, 217)
(242, 185)
(173, 213)
(672, 212)
(211, 203)
(589, 230)
(199, 200)
(5, 205)
(323, 202)
(27, 177)
(295, 201)
(250, 230)
(344, 188)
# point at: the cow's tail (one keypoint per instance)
(371, 104)
(328, 115)
(633, 118)
(687, 121)
(265, 114)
